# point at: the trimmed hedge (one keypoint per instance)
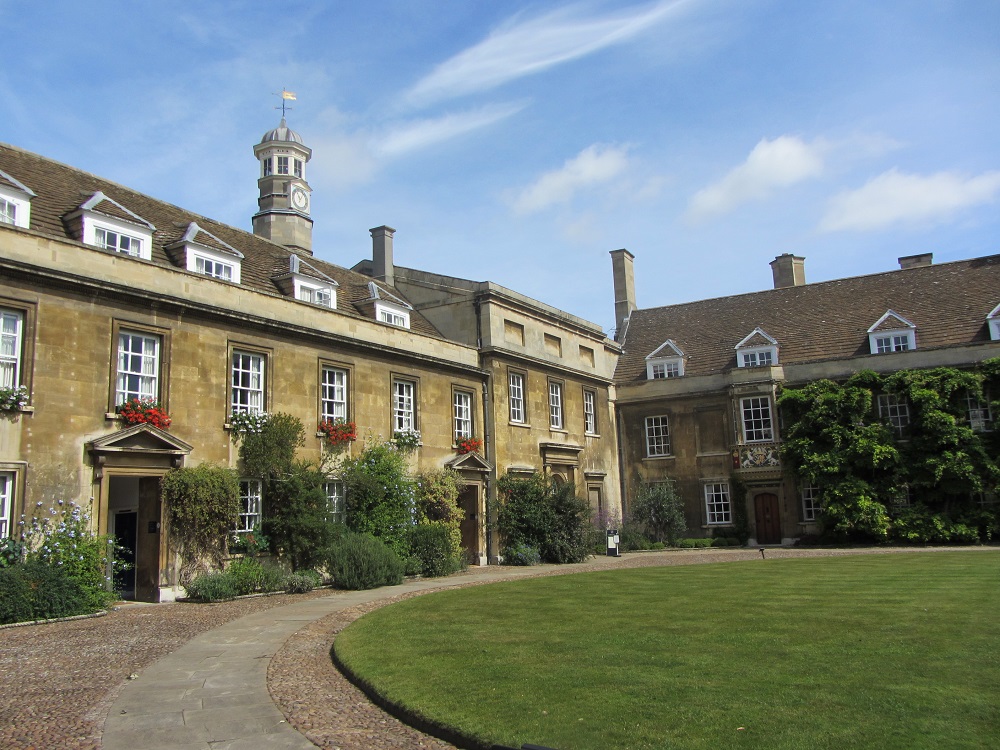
(360, 561)
(433, 546)
(36, 591)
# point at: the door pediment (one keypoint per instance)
(140, 445)
(469, 462)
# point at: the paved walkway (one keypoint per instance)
(211, 694)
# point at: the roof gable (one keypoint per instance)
(891, 321)
(667, 349)
(756, 337)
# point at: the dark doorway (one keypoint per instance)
(124, 578)
(768, 518)
(468, 501)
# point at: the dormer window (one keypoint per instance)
(106, 223)
(993, 321)
(387, 307)
(15, 202)
(666, 361)
(305, 282)
(758, 349)
(392, 315)
(892, 333)
(203, 253)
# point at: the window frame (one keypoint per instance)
(282, 165)
(891, 342)
(755, 356)
(557, 415)
(747, 426)
(590, 411)
(251, 505)
(811, 506)
(18, 197)
(519, 402)
(93, 223)
(336, 500)
(8, 211)
(403, 418)
(979, 413)
(895, 410)
(462, 426)
(16, 360)
(123, 243)
(656, 430)
(392, 315)
(718, 512)
(345, 386)
(8, 492)
(266, 357)
(303, 288)
(25, 355)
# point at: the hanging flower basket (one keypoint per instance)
(13, 399)
(468, 445)
(406, 441)
(143, 411)
(338, 433)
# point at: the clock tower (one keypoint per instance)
(285, 196)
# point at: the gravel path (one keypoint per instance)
(58, 680)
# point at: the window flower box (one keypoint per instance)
(13, 399)
(338, 433)
(143, 411)
(468, 445)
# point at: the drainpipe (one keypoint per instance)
(621, 461)
(488, 452)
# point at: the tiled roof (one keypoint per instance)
(60, 190)
(948, 303)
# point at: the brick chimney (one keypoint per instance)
(624, 276)
(382, 266)
(788, 270)
(914, 261)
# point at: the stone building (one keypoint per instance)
(696, 382)
(107, 294)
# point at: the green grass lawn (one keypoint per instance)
(867, 651)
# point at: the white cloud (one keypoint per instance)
(772, 164)
(895, 197)
(422, 133)
(595, 164)
(524, 47)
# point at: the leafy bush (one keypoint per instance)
(540, 513)
(919, 524)
(521, 554)
(433, 546)
(35, 590)
(436, 497)
(297, 521)
(631, 539)
(657, 545)
(380, 497)
(685, 543)
(12, 552)
(250, 576)
(212, 587)
(267, 442)
(204, 503)
(659, 510)
(360, 561)
(62, 539)
(299, 583)
(273, 578)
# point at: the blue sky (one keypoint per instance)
(520, 142)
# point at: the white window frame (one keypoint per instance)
(11, 347)
(317, 294)
(298, 168)
(96, 231)
(811, 506)
(137, 370)
(892, 340)
(266, 166)
(250, 505)
(896, 411)
(336, 499)
(589, 411)
(979, 414)
(214, 265)
(718, 504)
(247, 381)
(657, 431)
(756, 421)
(393, 315)
(404, 405)
(515, 390)
(555, 405)
(993, 323)
(282, 165)
(664, 369)
(462, 413)
(18, 200)
(8, 211)
(761, 356)
(7, 483)
(333, 393)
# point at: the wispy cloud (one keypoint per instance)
(523, 47)
(771, 165)
(895, 197)
(594, 165)
(421, 133)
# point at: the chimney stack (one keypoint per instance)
(914, 261)
(788, 270)
(624, 276)
(382, 266)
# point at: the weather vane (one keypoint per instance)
(286, 96)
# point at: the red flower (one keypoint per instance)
(143, 411)
(469, 445)
(338, 432)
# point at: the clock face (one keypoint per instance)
(300, 199)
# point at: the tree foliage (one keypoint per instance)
(203, 503)
(835, 439)
(296, 518)
(267, 449)
(548, 516)
(659, 510)
(380, 496)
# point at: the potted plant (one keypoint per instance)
(338, 432)
(14, 398)
(143, 411)
(468, 445)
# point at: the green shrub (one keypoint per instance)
(685, 543)
(659, 510)
(40, 591)
(380, 497)
(212, 587)
(267, 442)
(204, 504)
(734, 541)
(703, 542)
(12, 552)
(541, 513)
(720, 541)
(15, 595)
(360, 561)
(273, 577)
(433, 546)
(630, 539)
(299, 583)
(246, 575)
(521, 554)
(657, 545)
(297, 516)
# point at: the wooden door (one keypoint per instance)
(468, 501)
(768, 518)
(147, 553)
